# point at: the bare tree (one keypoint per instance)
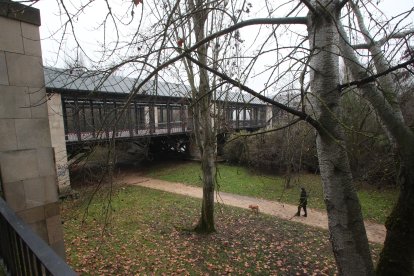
(203, 128)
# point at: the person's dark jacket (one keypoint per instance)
(303, 197)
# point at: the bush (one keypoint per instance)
(289, 150)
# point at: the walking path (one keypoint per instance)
(375, 232)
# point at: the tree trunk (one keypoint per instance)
(346, 226)
(397, 256)
(400, 224)
(206, 137)
(206, 222)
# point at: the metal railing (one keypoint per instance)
(23, 252)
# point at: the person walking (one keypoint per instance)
(303, 201)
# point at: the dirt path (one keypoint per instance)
(375, 232)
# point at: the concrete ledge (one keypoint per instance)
(20, 12)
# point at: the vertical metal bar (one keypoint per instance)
(13, 251)
(182, 117)
(101, 127)
(85, 123)
(129, 120)
(32, 258)
(76, 121)
(39, 267)
(152, 118)
(20, 265)
(26, 261)
(106, 117)
(6, 241)
(168, 118)
(237, 117)
(136, 117)
(93, 119)
(115, 127)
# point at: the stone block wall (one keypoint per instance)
(27, 167)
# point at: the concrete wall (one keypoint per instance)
(269, 117)
(57, 132)
(27, 167)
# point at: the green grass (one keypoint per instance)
(145, 235)
(376, 205)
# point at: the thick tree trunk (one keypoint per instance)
(397, 256)
(346, 226)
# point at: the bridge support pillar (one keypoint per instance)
(269, 116)
(57, 133)
(27, 169)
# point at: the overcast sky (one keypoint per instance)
(89, 37)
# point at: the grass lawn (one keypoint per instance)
(145, 235)
(376, 205)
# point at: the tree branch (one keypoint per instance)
(185, 53)
(362, 46)
(342, 4)
(372, 78)
(383, 40)
(398, 35)
(302, 115)
(265, 131)
(309, 6)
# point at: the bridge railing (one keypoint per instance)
(97, 119)
(23, 252)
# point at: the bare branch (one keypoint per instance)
(265, 131)
(303, 116)
(373, 78)
(185, 52)
(384, 40)
(398, 35)
(362, 46)
(309, 6)
(342, 4)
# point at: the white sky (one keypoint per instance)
(90, 38)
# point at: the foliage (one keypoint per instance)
(146, 235)
(376, 204)
(406, 100)
(291, 149)
(369, 150)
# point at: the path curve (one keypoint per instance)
(375, 232)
